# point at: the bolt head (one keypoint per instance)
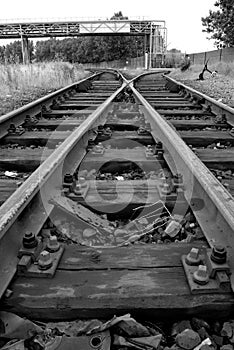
(201, 275)
(193, 257)
(68, 178)
(44, 261)
(53, 244)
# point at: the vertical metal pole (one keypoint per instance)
(220, 55)
(150, 50)
(145, 55)
(164, 43)
(146, 60)
(156, 39)
(25, 49)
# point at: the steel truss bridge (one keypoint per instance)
(154, 31)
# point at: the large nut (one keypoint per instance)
(219, 255)
(29, 240)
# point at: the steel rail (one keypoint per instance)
(216, 215)
(217, 107)
(37, 189)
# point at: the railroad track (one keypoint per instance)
(123, 202)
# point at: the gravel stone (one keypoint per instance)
(226, 347)
(188, 339)
(227, 330)
(180, 327)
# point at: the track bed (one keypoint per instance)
(109, 176)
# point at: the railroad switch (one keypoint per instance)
(207, 271)
(13, 130)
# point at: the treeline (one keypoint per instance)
(90, 49)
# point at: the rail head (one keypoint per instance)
(18, 115)
(216, 106)
(216, 216)
(38, 183)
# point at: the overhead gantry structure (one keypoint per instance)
(155, 31)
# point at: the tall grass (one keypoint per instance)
(48, 76)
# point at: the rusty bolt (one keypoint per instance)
(166, 189)
(44, 261)
(53, 244)
(158, 145)
(98, 148)
(160, 154)
(178, 178)
(82, 181)
(193, 257)
(68, 178)
(29, 240)
(201, 276)
(219, 255)
(12, 128)
(27, 118)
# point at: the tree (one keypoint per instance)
(12, 53)
(118, 15)
(220, 24)
(90, 49)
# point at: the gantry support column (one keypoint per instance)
(150, 46)
(155, 47)
(147, 51)
(25, 49)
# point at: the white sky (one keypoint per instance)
(183, 17)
